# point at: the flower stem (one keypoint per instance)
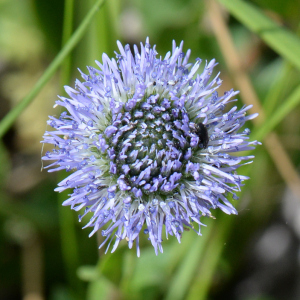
(67, 32)
(69, 243)
(182, 279)
(202, 280)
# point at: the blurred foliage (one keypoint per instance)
(231, 260)
(50, 20)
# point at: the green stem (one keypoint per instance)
(9, 119)
(288, 105)
(285, 42)
(69, 244)
(277, 89)
(210, 257)
(184, 276)
(280, 86)
(209, 260)
(67, 32)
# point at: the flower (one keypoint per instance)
(149, 144)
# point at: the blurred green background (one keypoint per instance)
(45, 254)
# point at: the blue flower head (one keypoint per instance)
(149, 145)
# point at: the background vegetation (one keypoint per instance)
(45, 254)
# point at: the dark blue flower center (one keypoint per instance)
(150, 143)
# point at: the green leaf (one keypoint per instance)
(210, 257)
(281, 40)
(5, 165)
(289, 104)
(88, 273)
(278, 88)
(185, 273)
(110, 265)
(101, 289)
(50, 17)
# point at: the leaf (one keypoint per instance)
(281, 40)
(88, 273)
(5, 165)
(110, 265)
(185, 273)
(100, 289)
(282, 111)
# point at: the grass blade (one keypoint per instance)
(281, 40)
(290, 103)
(184, 276)
(9, 119)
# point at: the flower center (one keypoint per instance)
(150, 144)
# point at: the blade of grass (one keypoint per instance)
(280, 85)
(103, 33)
(209, 259)
(281, 40)
(69, 243)
(278, 88)
(67, 32)
(178, 253)
(270, 123)
(97, 37)
(9, 119)
(69, 246)
(183, 277)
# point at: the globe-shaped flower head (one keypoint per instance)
(149, 144)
